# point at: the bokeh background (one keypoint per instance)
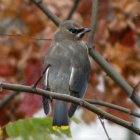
(21, 53)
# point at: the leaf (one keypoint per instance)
(76, 120)
(35, 128)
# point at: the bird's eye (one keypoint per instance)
(73, 30)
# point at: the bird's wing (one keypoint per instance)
(77, 85)
(78, 81)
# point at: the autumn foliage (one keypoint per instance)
(117, 39)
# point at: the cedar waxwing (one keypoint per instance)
(67, 71)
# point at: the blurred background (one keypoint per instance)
(21, 55)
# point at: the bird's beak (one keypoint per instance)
(86, 30)
(82, 32)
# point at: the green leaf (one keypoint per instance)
(76, 120)
(35, 128)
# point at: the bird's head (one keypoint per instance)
(69, 30)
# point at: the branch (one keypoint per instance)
(38, 80)
(115, 76)
(93, 22)
(134, 90)
(103, 125)
(104, 64)
(6, 99)
(46, 11)
(25, 36)
(68, 98)
(75, 4)
(113, 106)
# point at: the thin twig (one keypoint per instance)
(134, 89)
(68, 98)
(54, 18)
(113, 106)
(103, 125)
(38, 80)
(6, 99)
(25, 36)
(136, 86)
(93, 23)
(75, 4)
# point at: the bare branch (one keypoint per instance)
(113, 106)
(134, 90)
(93, 23)
(6, 99)
(38, 80)
(75, 4)
(103, 125)
(45, 10)
(104, 64)
(68, 98)
(24, 36)
(115, 76)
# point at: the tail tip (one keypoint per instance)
(62, 127)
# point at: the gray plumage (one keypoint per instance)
(69, 70)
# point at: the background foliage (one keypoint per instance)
(117, 39)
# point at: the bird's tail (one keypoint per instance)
(45, 102)
(60, 115)
(72, 110)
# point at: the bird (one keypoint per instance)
(67, 72)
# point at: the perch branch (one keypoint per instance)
(68, 98)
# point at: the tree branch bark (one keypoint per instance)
(6, 99)
(47, 12)
(68, 98)
(115, 76)
(104, 64)
(103, 125)
(93, 23)
(113, 106)
(72, 10)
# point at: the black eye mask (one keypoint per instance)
(76, 31)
